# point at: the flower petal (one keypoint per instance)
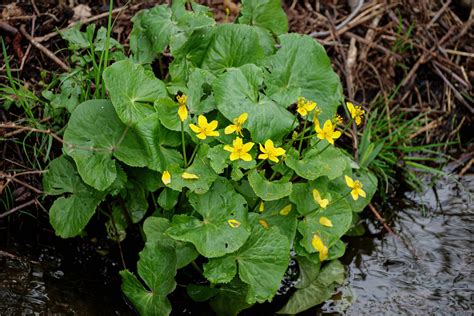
(234, 156)
(195, 128)
(355, 194)
(325, 221)
(166, 177)
(189, 176)
(229, 148)
(349, 181)
(230, 129)
(245, 157)
(202, 121)
(362, 193)
(233, 223)
(247, 146)
(286, 210)
(213, 125)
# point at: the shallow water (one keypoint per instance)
(425, 269)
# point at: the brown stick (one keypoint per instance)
(85, 21)
(381, 220)
(46, 51)
(15, 209)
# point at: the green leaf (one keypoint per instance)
(94, 134)
(268, 190)
(262, 262)
(219, 158)
(338, 212)
(155, 228)
(267, 14)
(321, 160)
(236, 92)
(135, 197)
(232, 45)
(213, 236)
(318, 291)
(273, 217)
(199, 81)
(309, 271)
(201, 293)
(168, 198)
(158, 141)
(132, 90)
(301, 67)
(168, 114)
(200, 167)
(369, 185)
(156, 28)
(157, 268)
(302, 195)
(231, 299)
(69, 215)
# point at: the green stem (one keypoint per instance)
(302, 137)
(258, 165)
(322, 150)
(194, 153)
(342, 197)
(183, 144)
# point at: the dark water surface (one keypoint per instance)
(427, 268)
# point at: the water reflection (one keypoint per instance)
(427, 269)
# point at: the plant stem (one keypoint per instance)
(258, 165)
(183, 144)
(302, 137)
(194, 153)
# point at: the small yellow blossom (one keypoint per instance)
(189, 176)
(328, 132)
(233, 223)
(239, 150)
(325, 221)
(320, 247)
(286, 210)
(264, 223)
(337, 120)
(204, 128)
(323, 203)
(182, 110)
(261, 207)
(356, 112)
(237, 126)
(304, 106)
(166, 177)
(270, 151)
(356, 187)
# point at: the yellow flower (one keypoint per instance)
(328, 131)
(261, 207)
(204, 128)
(286, 210)
(270, 151)
(264, 223)
(325, 221)
(323, 203)
(356, 187)
(166, 177)
(304, 106)
(240, 150)
(356, 112)
(182, 110)
(320, 247)
(337, 120)
(237, 126)
(189, 176)
(233, 223)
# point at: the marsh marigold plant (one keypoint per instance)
(230, 166)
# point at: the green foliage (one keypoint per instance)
(212, 145)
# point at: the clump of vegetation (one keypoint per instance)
(236, 147)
